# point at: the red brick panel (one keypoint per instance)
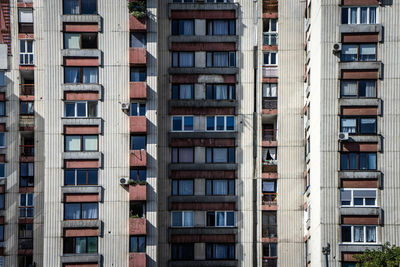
(137, 192)
(84, 62)
(360, 111)
(27, 98)
(184, 78)
(81, 164)
(203, 142)
(137, 25)
(204, 206)
(360, 2)
(2, 157)
(138, 124)
(73, 27)
(359, 147)
(137, 260)
(203, 174)
(348, 256)
(2, 127)
(81, 265)
(137, 90)
(203, 47)
(81, 198)
(359, 184)
(2, 96)
(203, 14)
(273, 15)
(2, 189)
(81, 96)
(1, 219)
(81, 232)
(137, 56)
(361, 74)
(202, 111)
(81, 130)
(137, 226)
(360, 220)
(270, 48)
(360, 38)
(138, 158)
(203, 238)
(229, 78)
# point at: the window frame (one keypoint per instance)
(137, 237)
(131, 145)
(86, 170)
(209, 155)
(269, 249)
(271, 229)
(267, 35)
(183, 120)
(30, 106)
(209, 187)
(140, 71)
(358, 47)
(215, 223)
(132, 33)
(26, 58)
(352, 190)
(358, 124)
(73, 239)
(269, 59)
(176, 27)
(215, 127)
(210, 27)
(183, 215)
(358, 88)
(30, 180)
(81, 142)
(2, 201)
(3, 109)
(25, 208)
(178, 149)
(347, 154)
(231, 91)
(211, 247)
(3, 78)
(81, 68)
(359, 15)
(364, 234)
(176, 59)
(179, 251)
(138, 171)
(176, 91)
(3, 140)
(140, 106)
(80, 211)
(80, 39)
(210, 60)
(76, 103)
(80, 8)
(176, 187)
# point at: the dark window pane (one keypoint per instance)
(175, 92)
(92, 244)
(81, 177)
(138, 142)
(69, 177)
(92, 177)
(346, 233)
(89, 7)
(368, 126)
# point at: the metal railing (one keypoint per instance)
(269, 198)
(269, 262)
(27, 89)
(269, 103)
(269, 134)
(25, 27)
(269, 231)
(25, 243)
(269, 168)
(27, 150)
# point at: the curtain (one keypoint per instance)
(72, 211)
(72, 40)
(186, 91)
(187, 26)
(269, 89)
(349, 125)
(185, 188)
(349, 88)
(89, 75)
(80, 245)
(368, 52)
(220, 155)
(364, 15)
(186, 155)
(268, 187)
(72, 143)
(25, 16)
(221, 251)
(30, 169)
(353, 15)
(372, 15)
(220, 218)
(186, 59)
(358, 234)
(372, 161)
(221, 91)
(92, 244)
(90, 143)
(89, 210)
(220, 27)
(370, 89)
(71, 7)
(220, 59)
(371, 233)
(72, 75)
(220, 187)
(188, 218)
(177, 218)
(349, 52)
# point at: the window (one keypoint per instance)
(269, 155)
(80, 7)
(220, 251)
(81, 75)
(2, 201)
(358, 125)
(25, 20)
(182, 91)
(137, 109)
(26, 52)
(81, 109)
(81, 143)
(182, 27)
(220, 187)
(77, 177)
(182, 218)
(220, 91)
(182, 123)
(183, 59)
(183, 251)
(182, 187)
(24, 261)
(2, 140)
(270, 58)
(269, 224)
(80, 245)
(1, 233)
(358, 234)
(220, 155)
(270, 31)
(137, 244)
(359, 15)
(358, 197)
(84, 40)
(221, 59)
(270, 250)
(2, 108)
(269, 186)
(221, 218)
(138, 74)
(26, 174)
(217, 1)
(358, 52)
(270, 90)
(81, 211)
(2, 80)
(138, 39)
(138, 174)
(220, 123)
(25, 236)
(183, 1)
(2, 170)
(358, 161)
(358, 88)
(137, 209)
(26, 205)
(138, 142)
(26, 108)
(221, 27)
(182, 155)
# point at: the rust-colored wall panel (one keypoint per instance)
(360, 220)
(203, 238)
(2, 127)
(137, 25)
(202, 111)
(2, 96)
(203, 174)
(2, 190)
(137, 259)
(137, 192)
(81, 197)
(184, 78)
(138, 124)
(137, 56)
(137, 90)
(81, 96)
(203, 14)
(2, 157)
(362, 74)
(360, 38)
(204, 206)
(359, 183)
(203, 142)
(81, 232)
(138, 158)
(81, 130)
(203, 47)
(81, 164)
(360, 111)
(360, 2)
(359, 147)
(349, 256)
(137, 226)
(84, 62)
(70, 27)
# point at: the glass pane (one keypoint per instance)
(349, 52)
(368, 52)
(175, 187)
(372, 161)
(371, 234)
(69, 109)
(89, 75)
(188, 218)
(358, 233)
(230, 123)
(353, 161)
(364, 15)
(80, 245)
(220, 218)
(72, 40)
(220, 187)
(367, 88)
(72, 75)
(141, 244)
(69, 177)
(176, 218)
(186, 91)
(81, 177)
(368, 126)
(89, 210)
(81, 109)
(220, 123)
(186, 59)
(92, 109)
(353, 15)
(138, 39)
(230, 219)
(92, 245)
(188, 123)
(177, 123)
(71, 7)
(208, 187)
(186, 187)
(89, 7)
(372, 15)
(72, 211)
(92, 177)
(348, 125)
(345, 16)
(138, 142)
(90, 143)
(220, 27)
(185, 155)
(72, 143)
(346, 233)
(220, 155)
(210, 123)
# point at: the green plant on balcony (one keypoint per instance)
(138, 8)
(136, 182)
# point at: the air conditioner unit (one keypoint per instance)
(337, 47)
(124, 181)
(125, 106)
(343, 136)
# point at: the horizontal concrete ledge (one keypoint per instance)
(203, 199)
(82, 155)
(203, 135)
(362, 65)
(82, 53)
(202, 167)
(203, 103)
(82, 19)
(365, 139)
(203, 39)
(357, 248)
(361, 211)
(203, 231)
(81, 189)
(202, 263)
(82, 121)
(362, 28)
(81, 258)
(360, 101)
(360, 174)
(202, 6)
(92, 87)
(223, 70)
(81, 224)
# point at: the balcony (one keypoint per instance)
(138, 158)
(138, 90)
(269, 105)
(25, 243)
(137, 259)
(269, 262)
(137, 226)
(137, 56)
(269, 231)
(27, 150)
(136, 24)
(270, 166)
(27, 89)
(269, 199)
(269, 138)
(138, 192)
(137, 124)
(26, 28)
(270, 72)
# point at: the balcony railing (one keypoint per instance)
(269, 198)
(270, 71)
(27, 150)
(25, 27)
(269, 231)
(270, 262)
(25, 243)
(27, 89)
(269, 134)
(269, 103)
(267, 167)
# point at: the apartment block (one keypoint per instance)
(197, 132)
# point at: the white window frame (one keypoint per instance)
(225, 124)
(138, 103)
(269, 58)
(4, 140)
(359, 14)
(364, 232)
(270, 33)
(25, 205)
(352, 197)
(183, 218)
(76, 109)
(182, 123)
(26, 54)
(226, 218)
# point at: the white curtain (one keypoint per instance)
(353, 15)
(372, 161)
(221, 91)
(220, 187)
(269, 89)
(72, 75)
(90, 143)
(371, 234)
(186, 91)
(349, 52)
(372, 15)
(89, 210)
(72, 143)
(80, 245)
(188, 218)
(220, 27)
(89, 75)
(71, 7)
(72, 40)
(30, 169)
(187, 27)
(220, 218)
(25, 16)
(220, 59)
(349, 125)
(72, 211)
(368, 51)
(349, 88)
(370, 90)
(220, 155)
(364, 15)
(186, 59)
(358, 234)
